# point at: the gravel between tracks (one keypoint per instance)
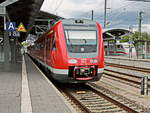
(127, 71)
(143, 63)
(126, 91)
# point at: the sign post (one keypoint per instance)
(144, 85)
(6, 37)
(21, 28)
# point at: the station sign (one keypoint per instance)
(21, 28)
(14, 34)
(10, 26)
(13, 30)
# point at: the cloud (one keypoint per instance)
(144, 28)
(121, 12)
(69, 8)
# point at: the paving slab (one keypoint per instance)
(44, 98)
(10, 87)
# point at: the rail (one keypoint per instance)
(128, 67)
(91, 100)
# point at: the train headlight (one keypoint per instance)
(72, 61)
(93, 61)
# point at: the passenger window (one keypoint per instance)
(119, 47)
(48, 44)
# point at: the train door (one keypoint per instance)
(52, 52)
(48, 50)
(53, 49)
(45, 40)
(120, 49)
(132, 50)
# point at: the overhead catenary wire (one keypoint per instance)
(58, 6)
(86, 14)
(116, 9)
(114, 18)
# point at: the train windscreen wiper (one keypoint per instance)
(69, 39)
(85, 40)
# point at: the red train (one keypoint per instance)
(72, 50)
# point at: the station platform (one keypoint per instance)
(10, 87)
(25, 89)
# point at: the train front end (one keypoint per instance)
(84, 51)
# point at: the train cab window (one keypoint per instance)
(81, 41)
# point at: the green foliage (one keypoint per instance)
(136, 36)
(125, 39)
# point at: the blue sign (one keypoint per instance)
(10, 26)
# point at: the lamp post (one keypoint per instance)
(3, 13)
(105, 8)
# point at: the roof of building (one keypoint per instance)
(26, 11)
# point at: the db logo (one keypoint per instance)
(83, 60)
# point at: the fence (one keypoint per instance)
(143, 50)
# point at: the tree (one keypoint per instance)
(136, 36)
(125, 38)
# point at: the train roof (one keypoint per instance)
(85, 23)
(73, 21)
(115, 33)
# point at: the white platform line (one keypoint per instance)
(26, 106)
(57, 91)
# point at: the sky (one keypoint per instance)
(120, 13)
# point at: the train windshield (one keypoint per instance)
(81, 41)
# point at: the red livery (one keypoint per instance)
(72, 50)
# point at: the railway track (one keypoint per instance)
(128, 67)
(131, 78)
(123, 76)
(94, 99)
